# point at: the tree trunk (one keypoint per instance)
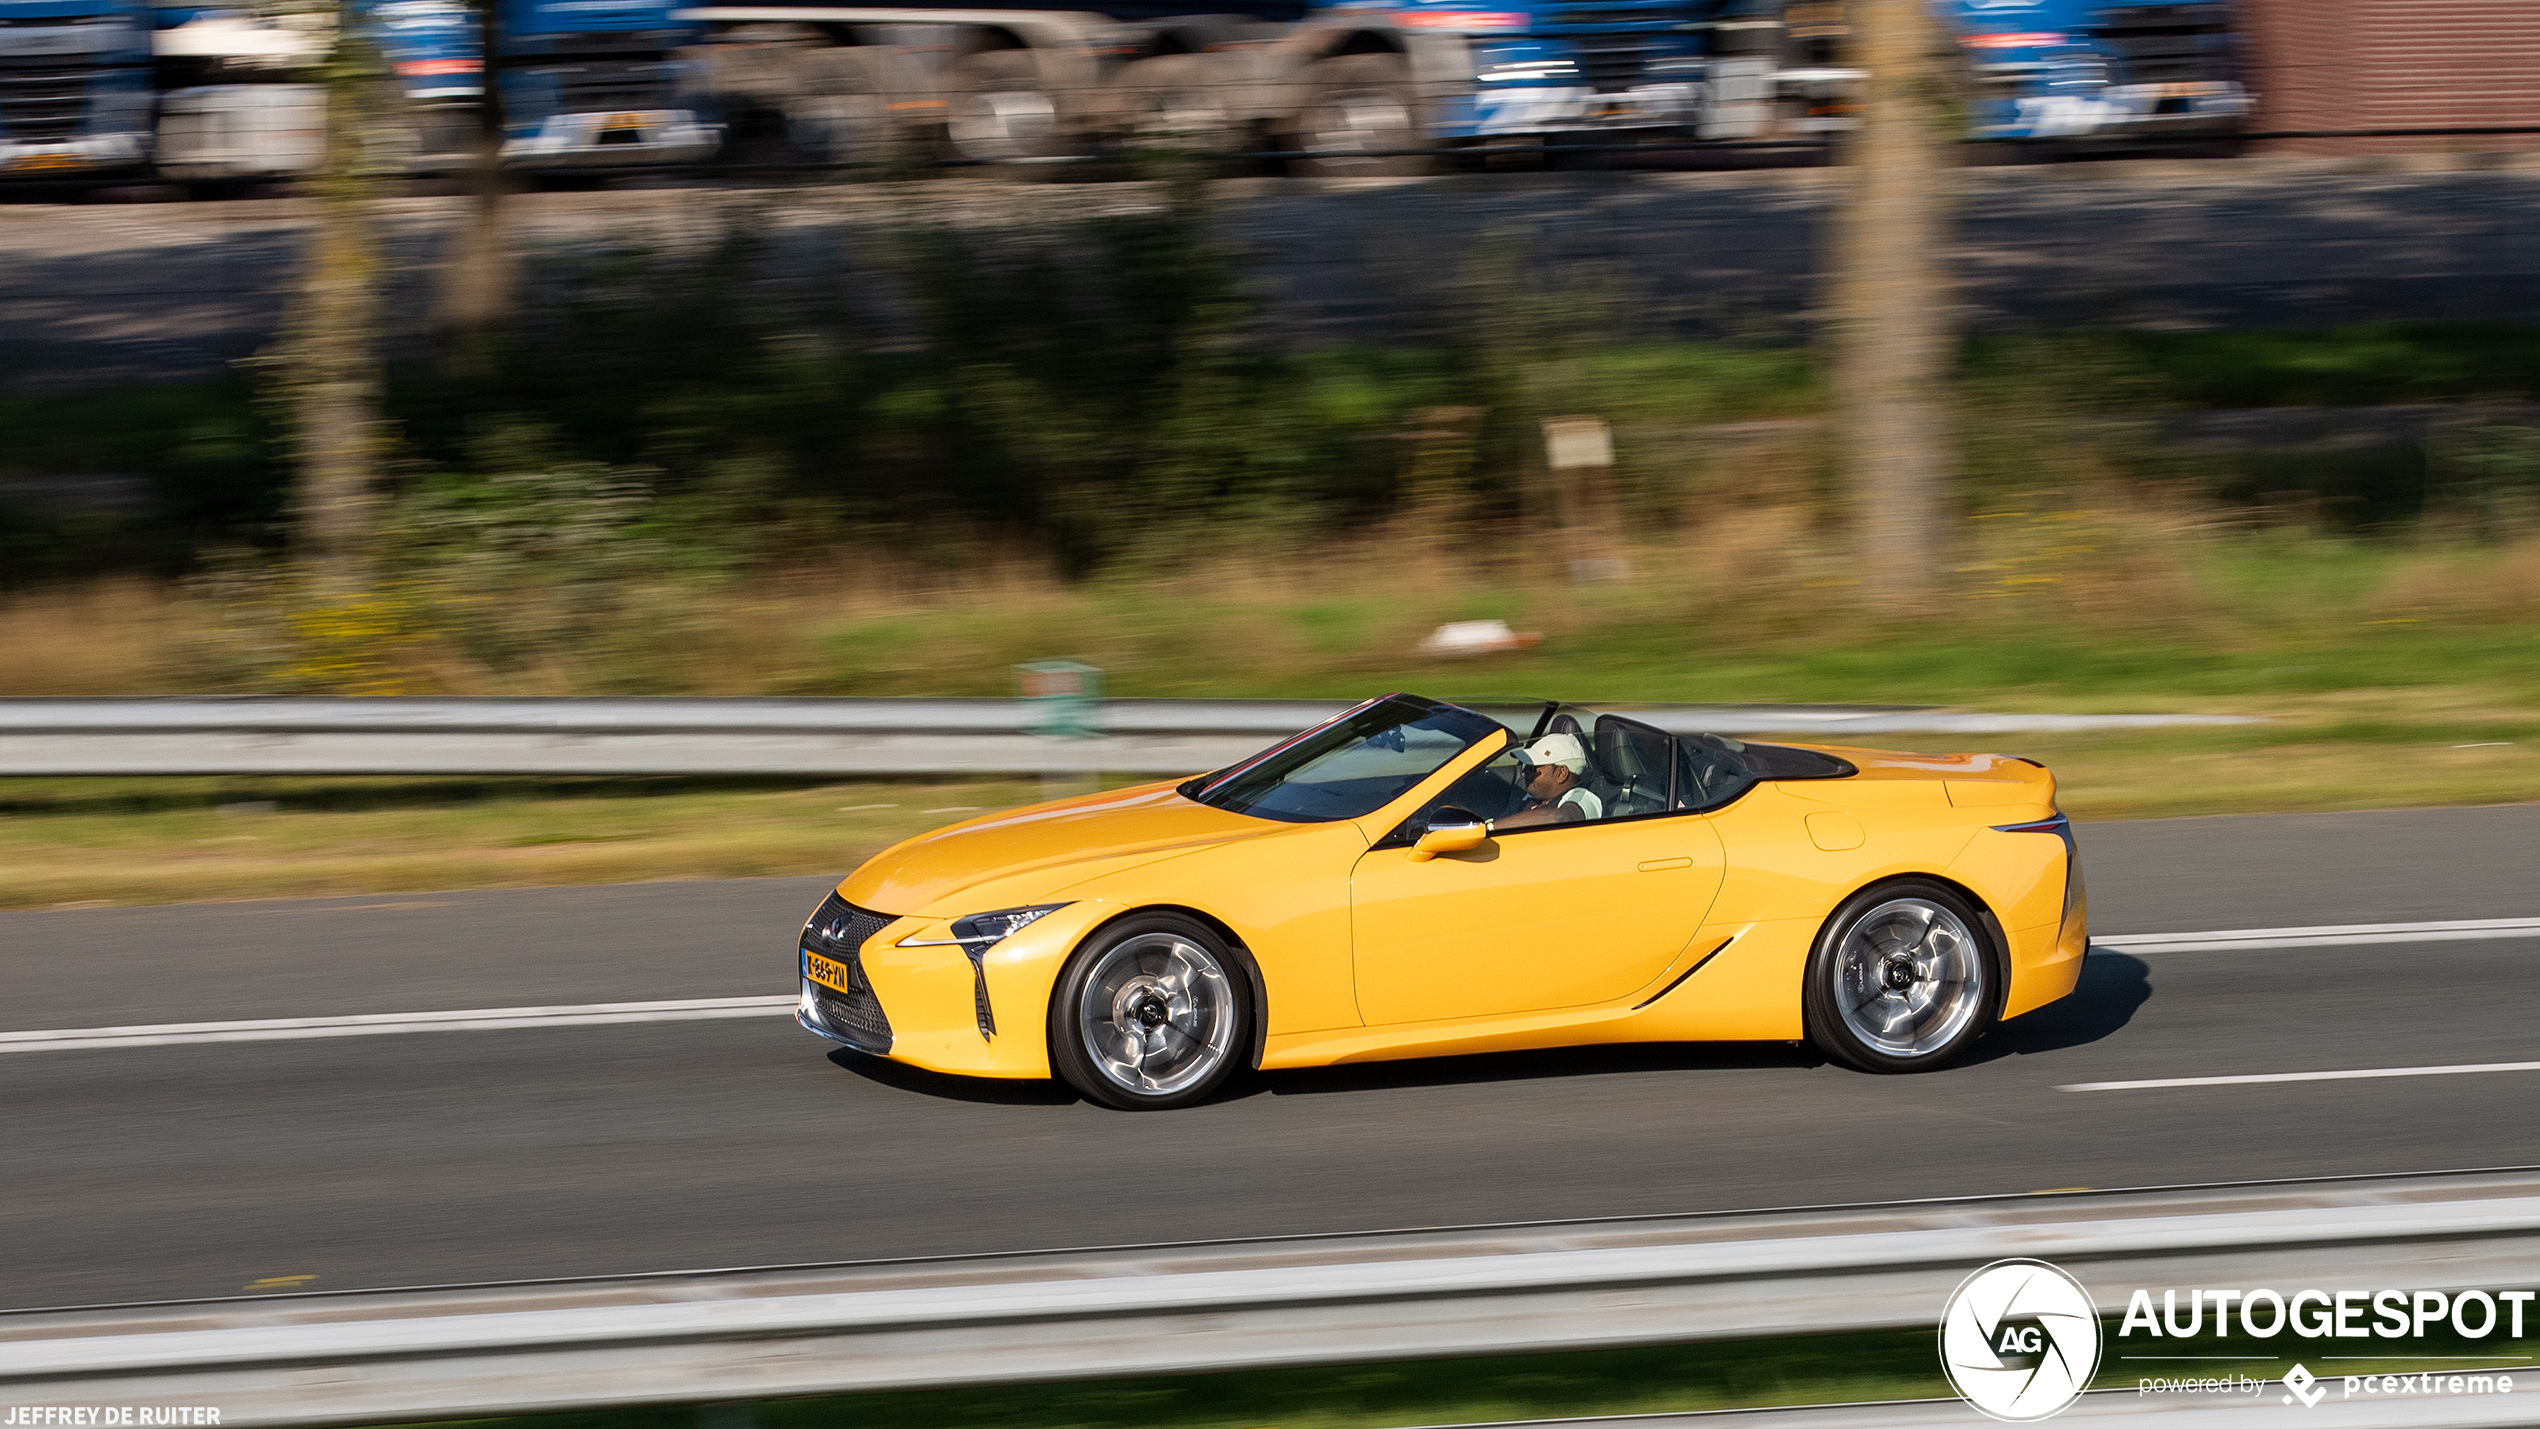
(479, 274)
(334, 363)
(1893, 310)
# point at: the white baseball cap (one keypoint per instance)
(1562, 749)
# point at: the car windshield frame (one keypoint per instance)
(1267, 785)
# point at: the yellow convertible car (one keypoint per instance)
(1414, 878)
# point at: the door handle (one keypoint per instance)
(1655, 864)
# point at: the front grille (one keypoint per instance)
(591, 86)
(2168, 44)
(1566, 15)
(1613, 62)
(43, 101)
(837, 931)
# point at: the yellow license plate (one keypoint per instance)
(827, 971)
(49, 161)
(627, 121)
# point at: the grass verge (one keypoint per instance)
(161, 841)
(1650, 1379)
(83, 841)
(1731, 1374)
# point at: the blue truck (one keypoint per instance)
(2088, 69)
(201, 94)
(78, 87)
(220, 94)
(1353, 87)
(600, 84)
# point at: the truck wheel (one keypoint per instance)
(1002, 108)
(840, 112)
(1359, 102)
(1174, 105)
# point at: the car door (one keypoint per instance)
(1562, 915)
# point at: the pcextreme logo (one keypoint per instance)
(2019, 1340)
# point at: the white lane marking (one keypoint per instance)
(375, 1024)
(286, 1029)
(2456, 1070)
(2339, 935)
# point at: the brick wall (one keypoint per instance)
(2371, 64)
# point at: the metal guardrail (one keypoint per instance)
(474, 1350)
(782, 736)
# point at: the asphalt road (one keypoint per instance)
(179, 1171)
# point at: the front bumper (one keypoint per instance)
(1550, 109)
(858, 1022)
(607, 140)
(834, 938)
(908, 996)
(45, 158)
(2123, 110)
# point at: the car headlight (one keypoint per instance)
(975, 934)
(1528, 72)
(981, 931)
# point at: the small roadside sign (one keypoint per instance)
(1063, 698)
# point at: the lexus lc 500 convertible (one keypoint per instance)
(1414, 878)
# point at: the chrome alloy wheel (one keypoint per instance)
(1157, 1014)
(1909, 977)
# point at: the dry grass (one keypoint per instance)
(2109, 607)
(2468, 583)
(116, 637)
(70, 843)
(2281, 772)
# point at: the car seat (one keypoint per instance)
(1634, 760)
(1710, 771)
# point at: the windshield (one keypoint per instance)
(1354, 765)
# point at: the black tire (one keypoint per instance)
(1904, 977)
(1359, 102)
(1153, 1012)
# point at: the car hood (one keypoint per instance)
(1024, 854)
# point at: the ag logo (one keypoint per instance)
(2019, 1340)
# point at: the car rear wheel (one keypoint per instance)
(1901, 979)
(1149, 1015)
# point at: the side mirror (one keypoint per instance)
(1450, 831)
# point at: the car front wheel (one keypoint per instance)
(1901, 979)
(1151, 1014)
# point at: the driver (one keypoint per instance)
(1555, 766)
